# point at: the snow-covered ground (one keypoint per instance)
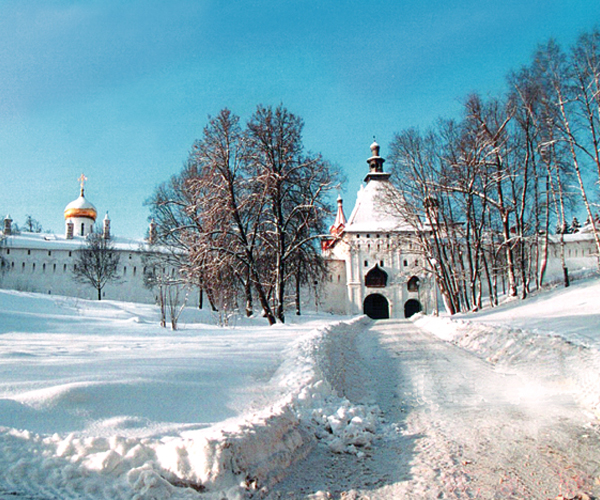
(97, 401)
(553, 335)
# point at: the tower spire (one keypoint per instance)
(376, 164)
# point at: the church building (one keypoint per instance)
(374, 266)
(44, 262)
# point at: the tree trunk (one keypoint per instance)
(248, 294)
(298, 311)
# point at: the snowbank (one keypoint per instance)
(105, 404)
(550, 357)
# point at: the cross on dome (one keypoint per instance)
(82, 180)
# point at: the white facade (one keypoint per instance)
(43, 263)
(374, 267)
(376, 243)
(580, 254)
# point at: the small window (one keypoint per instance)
(358, 235)
(54, 268)
(381, 263)
(64, 268)
(339, 278)
(23, 266)
(44, 267)
(33, 267)
(413, 284)
(416, 263)
(12, 265)
(366, 263)
(134, 270)
(129, 256)
(82, 228)
(69, 253)
(405, 263)
(49, 253)
(28, 252)
(124, 270)
(8, 251)
(368, 235)
(376, 236)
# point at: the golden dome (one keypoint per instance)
(81, 207)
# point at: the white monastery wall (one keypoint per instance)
(44, 264)
(580, 256)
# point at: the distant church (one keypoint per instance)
(374, 265)
(43, 263)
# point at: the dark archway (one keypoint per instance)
(376, 306)
(411, 307)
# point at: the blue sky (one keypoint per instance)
(119, 90)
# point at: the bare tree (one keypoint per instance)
(249, 203)
(163, 277)
(4, 267)
(96, 264)
(296, 187)
(227, 206)
(32, 225)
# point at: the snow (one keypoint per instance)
(553, 335)
(49, 241)
(97, 401)
(370, 215)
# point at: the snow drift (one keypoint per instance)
(94, 410)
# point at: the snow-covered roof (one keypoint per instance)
(371, 212)
(582, 236)
(48, 241)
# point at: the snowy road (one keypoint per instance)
(463, 428)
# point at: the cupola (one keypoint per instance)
(376, 164)
(80, 213)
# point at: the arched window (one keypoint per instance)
(376, 278)
(413, 284)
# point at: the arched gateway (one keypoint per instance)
(376, 306)
(411, 307)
